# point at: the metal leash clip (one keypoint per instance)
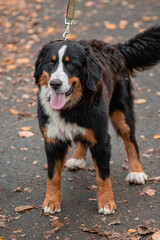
(67, 32)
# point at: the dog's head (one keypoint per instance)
(63, 70)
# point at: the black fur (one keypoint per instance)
(143, 51)
(104, 72)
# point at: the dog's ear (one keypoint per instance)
(38, 67)
(92, 69)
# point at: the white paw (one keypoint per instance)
(74, 163)
(137, 177)
(49, 211)
(106, 211)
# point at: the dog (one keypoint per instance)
(81, 85)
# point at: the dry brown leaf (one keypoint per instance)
(13, 111)
(45, 166)
(1, 238)
(123, 24)
(150, 192)
(131, 230)
(48, 234)
(156, 236)
(25, 96)
(154, 179)
(157, 136)
(25, 128)
(144, 230)
(18, 189)
(140, 101)
(25, 134)
(12, 66)
(92, 187)
(22, 60)
(110, 26)
(23, 208)
(89, 4)
(49, 30)
(57, 224)
(72, 36)
(158, 93)
(116, 222)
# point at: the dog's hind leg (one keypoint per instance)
(124, 124)
(78, 159)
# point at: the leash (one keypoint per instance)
(69, 18)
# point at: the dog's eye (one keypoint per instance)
(51, 64)
(69, 65)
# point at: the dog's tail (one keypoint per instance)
(142, 51)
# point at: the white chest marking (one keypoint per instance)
(57, 127)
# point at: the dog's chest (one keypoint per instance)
(58, 128)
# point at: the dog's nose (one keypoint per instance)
(56, 84)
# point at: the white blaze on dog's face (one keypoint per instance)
(59, 74)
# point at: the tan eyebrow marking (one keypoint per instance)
(54, 57)
(67, 58)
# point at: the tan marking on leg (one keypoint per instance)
(54, 57)
(118, 120)
(53, 194)
(49, 140)
(105, 195)
(67, 58)
(80, 151)
(88, 137)
(44, 79)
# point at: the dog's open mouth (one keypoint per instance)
(58, 100)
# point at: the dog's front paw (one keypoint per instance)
(73, 163)
(137, 177)
(107, 208)
(52, 204)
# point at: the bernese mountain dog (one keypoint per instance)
(81, 85)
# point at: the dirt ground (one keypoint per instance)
(25, 27)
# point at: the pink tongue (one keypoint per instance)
(57, 100)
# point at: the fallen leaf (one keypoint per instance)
(25, 96)
(157, 136)
(144, 230)
(91, 168)
(89, 4)
(22, 60)
(117, 222)
(48, 234)
(110, 26)
(123, 24)
(23, 208)
(72, 36)
(45, 166)
(92, 187)
(12, 66)
(49, 30)
(140, 101)
(150, 192)
(158, 93)
(154, 179)
(18, 189)
(57, 224)
(131, 230)
(13, 111)
(156, 236)
(25, 134)
(25, 128)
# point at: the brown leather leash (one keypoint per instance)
(69, 18)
